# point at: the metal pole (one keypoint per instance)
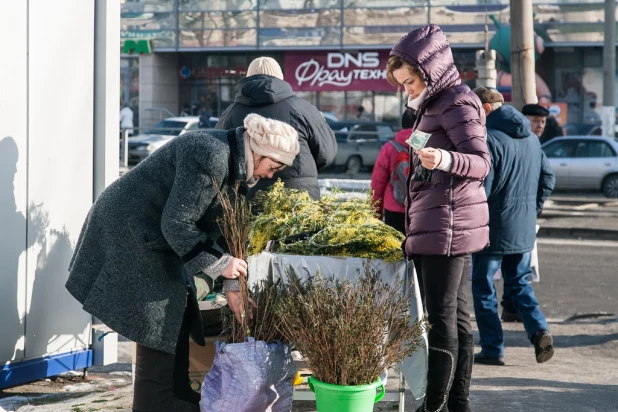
(522, 53)
(125, 148)
(486, 67)
(608, 112)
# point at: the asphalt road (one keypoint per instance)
(577, 276)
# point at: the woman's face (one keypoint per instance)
(265, 167)
(412, 84)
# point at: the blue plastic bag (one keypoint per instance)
(251, 376)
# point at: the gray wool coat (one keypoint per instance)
(150, 232)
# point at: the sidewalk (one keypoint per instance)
(582, 377)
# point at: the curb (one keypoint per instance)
(577, 233)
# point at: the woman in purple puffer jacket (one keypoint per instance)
(446, 211)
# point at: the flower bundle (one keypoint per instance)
(349, 332)
(328, 227)
(255, 321)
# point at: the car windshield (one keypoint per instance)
(167, 127)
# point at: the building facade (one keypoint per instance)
(333, 51)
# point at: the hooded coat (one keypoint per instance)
(518, 184)
(447, 215)
(273, 98)
(150, 232)
(381, 176)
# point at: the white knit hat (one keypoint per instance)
(272, 138)
(265, 65)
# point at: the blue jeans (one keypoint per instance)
(515, 269)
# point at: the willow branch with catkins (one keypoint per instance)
(235, 225)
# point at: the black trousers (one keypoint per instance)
(451, 343)
(443, 280)
(396, 220)
(162, 381)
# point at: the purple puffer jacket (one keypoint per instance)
(449, 215)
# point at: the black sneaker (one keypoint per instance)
(510, 317)
(486, 360)
(543, 346)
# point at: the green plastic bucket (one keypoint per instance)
(335, 398)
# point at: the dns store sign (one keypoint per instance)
(335, 71)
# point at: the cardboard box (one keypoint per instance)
(200, 361)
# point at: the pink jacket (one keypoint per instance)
(380, 178)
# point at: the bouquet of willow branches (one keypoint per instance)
(349, 332)
(258, 322)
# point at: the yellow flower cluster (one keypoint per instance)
(327, 227)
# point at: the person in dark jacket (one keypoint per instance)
(155, 228)
(518, 184)
(552, 129)
(446, 209)
(537, 115)
(265, 92)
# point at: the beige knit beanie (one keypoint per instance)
(272, 138)
(265, 65)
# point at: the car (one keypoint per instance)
(359, 143)
(584, 163)
(143, 145)
(330, 116)
(582, 129)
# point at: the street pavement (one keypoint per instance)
(578, 293)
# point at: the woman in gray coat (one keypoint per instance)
(154, 229)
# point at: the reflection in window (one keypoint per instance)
(374, 34)
(385, 17)
(148, 21)
(216, 5)
(318, 36)
(217, 38)
(384, 3)
(217, 20)
(299, 4)
(146, 6)
(300, 18)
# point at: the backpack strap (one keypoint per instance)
(398, 146)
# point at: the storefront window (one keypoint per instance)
(299, 4)
(129, 85)
(319, 36)
(300, 18)
(146, 6)
(184, 5)
(218, 38)
(217, 19)
(331, 102)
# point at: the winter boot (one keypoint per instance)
(460, 390)
(442, 363)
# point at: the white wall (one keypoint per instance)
(46, 116)
(13, 177)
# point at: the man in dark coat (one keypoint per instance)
(155, 228)
(519, 182)
(265, 92)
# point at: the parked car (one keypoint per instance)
(584, 163)
(359, 143)
(144, 144)
(582, 129)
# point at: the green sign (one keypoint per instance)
(136, 47)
